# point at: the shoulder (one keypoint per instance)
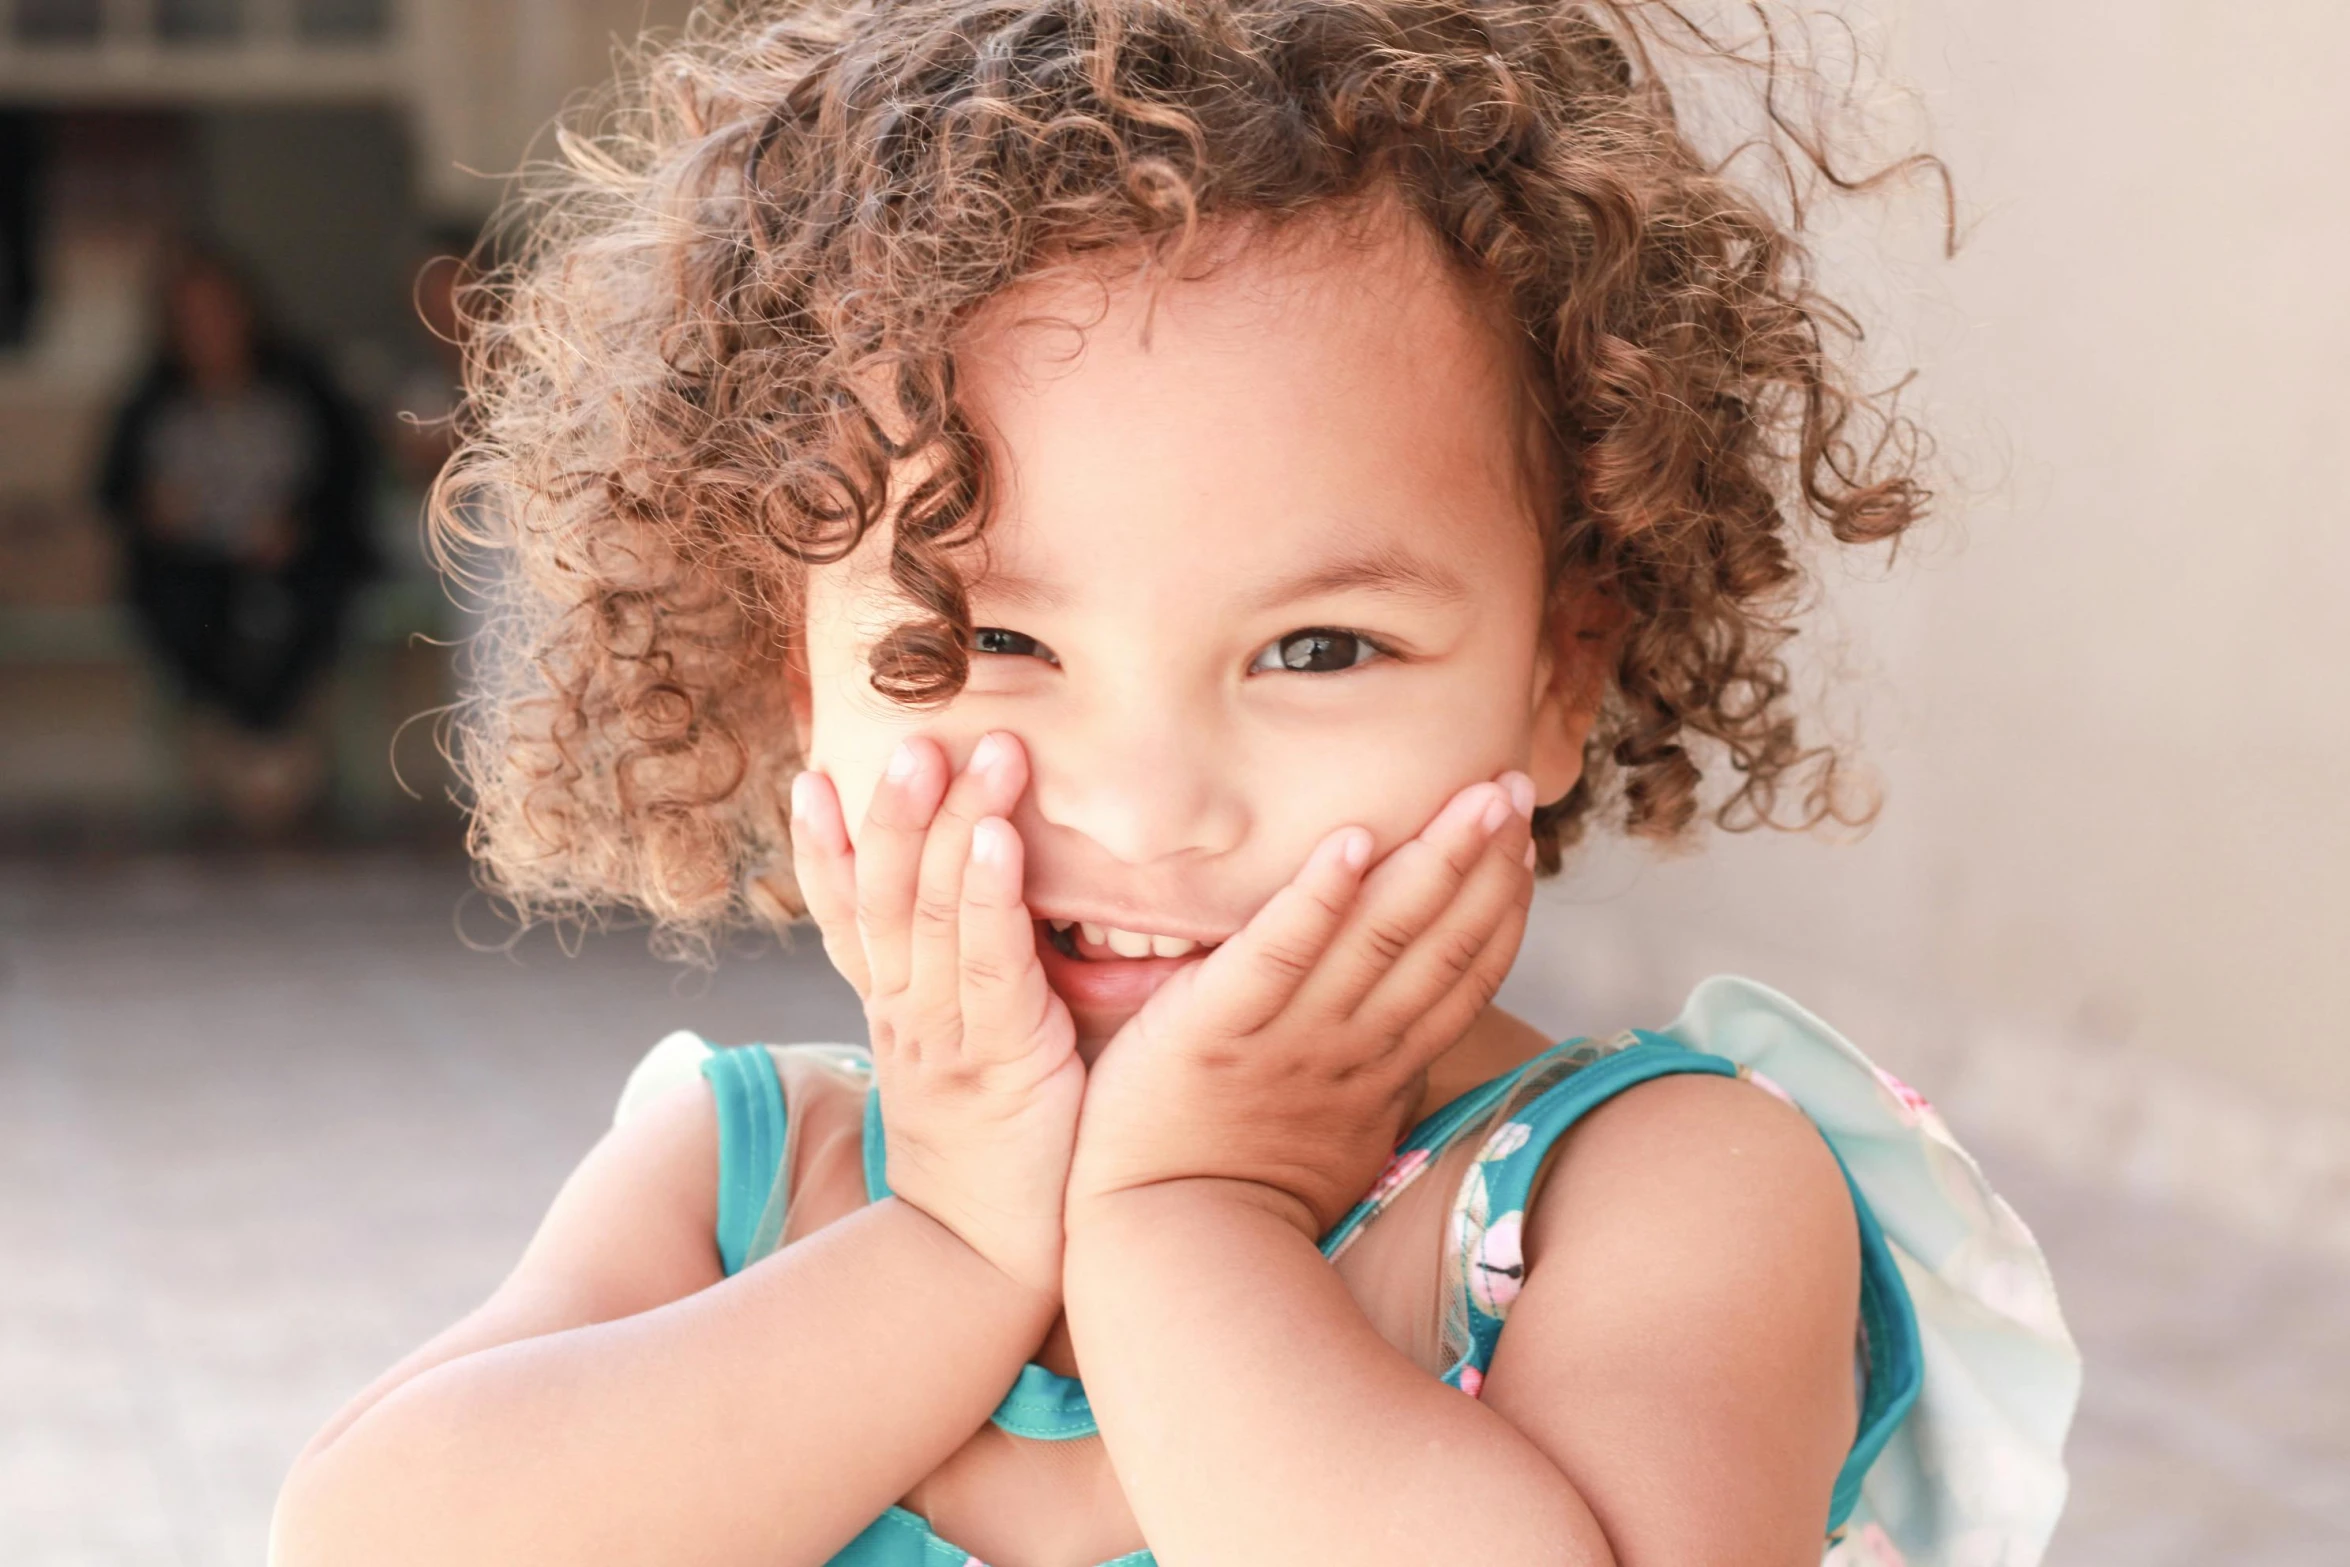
(1683, 1344)
(633, 1225)
(1706, 1181)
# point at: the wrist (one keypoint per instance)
(1213, 1197)
(1028, 1291)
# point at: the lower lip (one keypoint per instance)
(1104, 985)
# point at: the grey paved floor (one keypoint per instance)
(263, 1128)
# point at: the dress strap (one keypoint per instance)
(1425, 1143)
(874, 1152)
(1486, 1267)
(754, 1159)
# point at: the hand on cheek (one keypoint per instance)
(1290, 1057)
(975, 1056)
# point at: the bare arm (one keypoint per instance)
(617, 1400)
(1675, 1386)
(1674, 1389)
(1256, 1416)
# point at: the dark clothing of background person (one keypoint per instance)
(244, 521)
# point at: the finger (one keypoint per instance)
(1005, 1000)
(1254, 975)
(889, 858)
(1404, 896)
(1464, 948)
(1451, 1016)
(989, 785)
(825, 867)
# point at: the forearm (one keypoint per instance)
(1255, 1415)
(765, 1420)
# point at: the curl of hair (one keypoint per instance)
(671, 410)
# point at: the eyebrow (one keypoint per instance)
(1021, 592)
(1391, 571)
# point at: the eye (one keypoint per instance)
(1016, 644)
(1317, 650)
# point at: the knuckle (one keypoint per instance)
(1387, 1020)
(941, 1027)
(977, 895)
(1329, 907)
(1463, 858)
(1286, 959)
(933, 910)
(1386, 939)
(1456, 953)
(986, 971)
(1218, 1057)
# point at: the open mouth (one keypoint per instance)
(1106, 972)
(1090, 943)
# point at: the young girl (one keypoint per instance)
(1192, 505)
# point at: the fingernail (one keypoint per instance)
(1497, 812)
(987, 755)
(991, 841)
(803, 793)
(1521, 792)
(902, 762)
(1354, 848)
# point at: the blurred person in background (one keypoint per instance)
(237, 477)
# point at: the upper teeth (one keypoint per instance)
(1130, 943)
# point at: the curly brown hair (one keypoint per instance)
(672, 382)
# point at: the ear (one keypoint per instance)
(1579, 642)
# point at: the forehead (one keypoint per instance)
(1319, 391)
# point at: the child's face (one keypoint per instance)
(1262, 564)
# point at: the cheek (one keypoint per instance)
(852, 731)
(1390, 770)
(856, 731)
(852, 728)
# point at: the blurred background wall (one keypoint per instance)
(2107, 906)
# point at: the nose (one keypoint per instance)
(1142, 786)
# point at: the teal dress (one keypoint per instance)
(1519, 1117)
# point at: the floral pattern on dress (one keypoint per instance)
(1489, 1249)
(1488, 1254)
(1401, 1171)
(1912, 1106)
